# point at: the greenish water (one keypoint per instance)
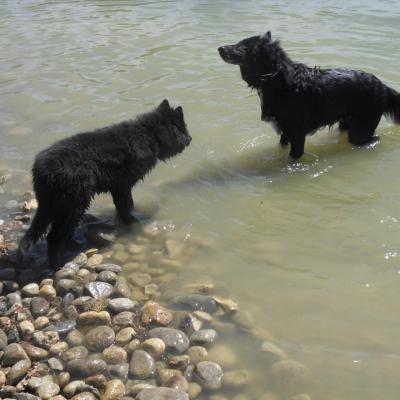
(311, 249)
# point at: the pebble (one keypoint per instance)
(119, 371)
(2, 378)
(97, 339)
(107, 276)
(123, 319)
(26, 328)
(12, 354)
(34, 353)
(75, 338)
(124, 336)
(197, 354)
(154, 313)
(30, 290)
(55, 364)
(84, 396)
(99, 290)
(18, 371)
(121, 288)
(80, 259)
(45, 339)
(140, 278)
(162, 394)
(74, 353)
(47, 291)
(114, 355)
(114, 390)
(236, 379)
(175, 340)
(272, 351)
(27, 396)
(71, 388)
(39, 306)
(203, 337)
(197, 302)
(142, 364)
(155, 346)
(290, 376)
(209, 375)
(121, 304)
(40, 322)
(109, 267)
(94, 318)
(94, 261)
(62, 327)
(48, 390)
(3, 340)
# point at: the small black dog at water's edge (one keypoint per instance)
(298, 99)
(68, 174)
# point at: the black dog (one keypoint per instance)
(68, 174)
(298, 99)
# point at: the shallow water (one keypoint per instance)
(311, 249)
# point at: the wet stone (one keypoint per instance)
(236, 379)
(154, 346)
(114, 390)
(92, 318)
(75, 338)
(290, 376)
(94, 261)
(222, 355)
(13, 298)
(30, 290)
(197, 302)
(45, 339)
(62, 327)
(139, 278)
(114, 355)
(197, 354)
(121, 304)
(18, 371)
(142, 364)
(97, 339)
(175, 340)
(162, 393)
(154, 313)
(12, 354)
(3, 340)
(109, 267)
(119, 371)
(123, 319)
(209, 375)
(48, 390)
(34, 353)
(74, 353)
(122, 288)
(272, 351)
(26, 396)
(203, 337)
(55, 364)
(39, 306)
(99, 290)
(124, 336)
(107, 276)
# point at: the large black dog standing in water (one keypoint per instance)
(298, 99)
(68, 174)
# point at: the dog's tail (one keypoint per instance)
(393, 106)
(37, 229)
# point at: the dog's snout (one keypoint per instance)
(221, 49)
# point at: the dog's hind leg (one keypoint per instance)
(362, 129)
(123, 201)
(297, 145)
(62, 229)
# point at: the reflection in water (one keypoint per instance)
(309, 248)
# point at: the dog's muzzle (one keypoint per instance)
(230, 54)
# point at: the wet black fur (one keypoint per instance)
(298, 99)
(68, 174)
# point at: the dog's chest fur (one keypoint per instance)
(266, 114)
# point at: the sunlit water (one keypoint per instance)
(312, 248)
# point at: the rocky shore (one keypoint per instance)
(96, 329)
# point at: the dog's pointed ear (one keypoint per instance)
(267, 35)
(179, 112)
(164, 105)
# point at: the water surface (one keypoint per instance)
(310, 248)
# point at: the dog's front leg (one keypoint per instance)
(297, 145)
(122, 198)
